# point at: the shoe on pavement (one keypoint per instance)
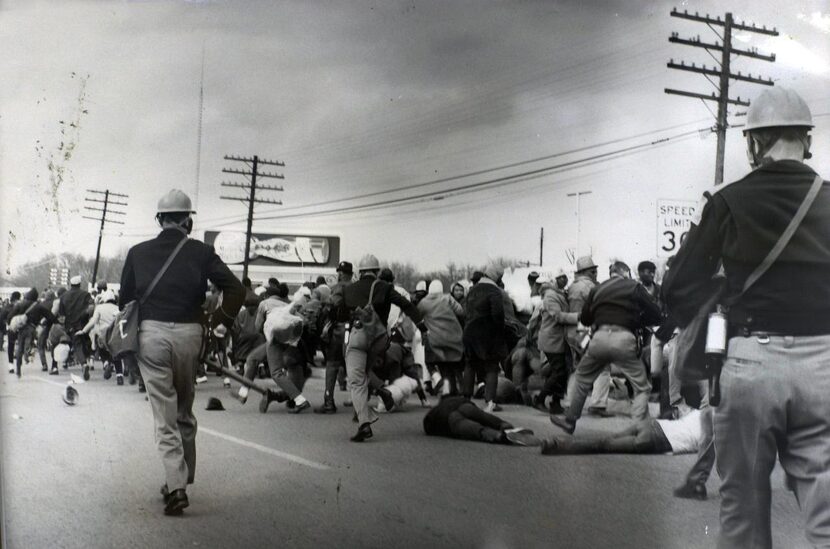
(386, 397)
(108, 370)
(521, 437)
(599, 411)
(44, 369)
(142, 388)
(327, 407)
(299, 407)
(176, 502)
(201, 379)
(364, 432)
(54, 372)
(492, 407)
(119, 379)
(567, 425)
(11, 370)
(86, 373)
(691, 491)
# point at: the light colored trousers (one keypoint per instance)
(359, 365)
(618, 345)
(774, 400)
(168, 356)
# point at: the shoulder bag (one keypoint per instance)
(691, 341)
(122, 336)
(367, 327)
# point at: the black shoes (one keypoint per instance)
(567, 425)
(364, 432)
(386, 397)
(300, 407)
(108, 368)
(328, 407)
(119, 379)
(176, 502)
(691, 491)
(54, 371)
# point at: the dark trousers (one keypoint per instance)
(25, 338)
(10, 349)
(80, 347)
(700, 471)
(485, 369)
(557, 382)
(470, 422)
(452, 373)
(286, 364)
(335, 360)
(41, 345)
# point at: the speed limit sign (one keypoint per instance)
(674, 218)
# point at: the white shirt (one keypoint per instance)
(683, 434)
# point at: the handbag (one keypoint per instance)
(691, 341)
(367, 327)
(122, 336)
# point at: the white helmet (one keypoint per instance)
(776, 107)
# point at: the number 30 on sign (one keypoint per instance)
(674, 218)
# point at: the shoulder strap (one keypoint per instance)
(163, 270)
(372, 292)
(785, 237)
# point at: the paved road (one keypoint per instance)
(88, 476)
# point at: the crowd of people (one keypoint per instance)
(767, 233)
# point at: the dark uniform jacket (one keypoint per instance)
(620, 301)
(38, 312)
(74, 307)
(179, 295)
(356, 295)
(484, 331)
(739, 225)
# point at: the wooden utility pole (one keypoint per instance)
(105, 210)
(541, 245)
(255, 162)
(722, 73)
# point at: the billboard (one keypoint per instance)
(276, 250)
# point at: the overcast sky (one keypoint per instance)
(363, 97)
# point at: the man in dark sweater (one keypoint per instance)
(5, 318)
(367, 342)
(74, 307)
(171, 331)
(617, 309)
(35, 314)
(26, 334)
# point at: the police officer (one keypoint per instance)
(775, 379)
(617, 309)
(170, 335)
(363, 353)
(334, 338)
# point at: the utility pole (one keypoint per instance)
(722, 73)
(541, 245)
(106, 210)
(578, 196)
(254, 163)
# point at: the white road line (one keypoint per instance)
(49, 381)
(265, 449)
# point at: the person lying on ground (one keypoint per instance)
(457, 417)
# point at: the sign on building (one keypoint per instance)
(674, 218)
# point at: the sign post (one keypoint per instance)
(674, 218)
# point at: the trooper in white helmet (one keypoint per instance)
(367, 302)
(775, 378)
(171, 332)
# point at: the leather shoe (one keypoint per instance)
(567, 425)
(691, 491)
(328, 407)
(176, 502)
(363, 432)
(299, 407)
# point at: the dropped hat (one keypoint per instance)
(70, 395)
(214, 404)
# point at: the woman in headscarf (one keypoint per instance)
(444, 345)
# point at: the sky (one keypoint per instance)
(369, 102)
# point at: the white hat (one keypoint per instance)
(75, 280)
(542, 280)
(259, 290)
(436, 287)
(421, 286)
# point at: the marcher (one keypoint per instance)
(553, 314)
(485, 337)
(366, 344)
(617, 309)
(74, 307)
(647, 436)
(26, 333)
(774, 380)
(36, 313)
(458, 417)
(444, 347)
(47, 300)
(102, 318)
(333, 337)
(170, 336)
(6, 317)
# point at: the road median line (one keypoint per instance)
(265, 449)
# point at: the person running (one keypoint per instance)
(74, 306)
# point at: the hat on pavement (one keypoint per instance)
(75, 280)
(345, 267)
(584, 263)
(70, 395)
(214, 404)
